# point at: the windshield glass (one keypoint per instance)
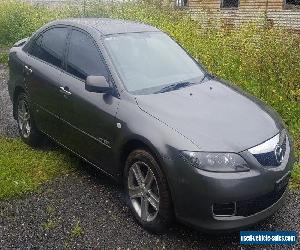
(149, 61)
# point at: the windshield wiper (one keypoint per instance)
(205, 77)
(178, 85)
(174, 86)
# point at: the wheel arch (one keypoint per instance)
(138, 142)
(134, 143)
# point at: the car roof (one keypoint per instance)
(107, 26)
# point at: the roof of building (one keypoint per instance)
(107, 26)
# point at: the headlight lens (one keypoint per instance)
(216, 162)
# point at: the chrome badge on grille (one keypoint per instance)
(279, 154)
(280, 148)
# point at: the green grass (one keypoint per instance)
(50, 224)
(3, 57)
(295, 181)
(77, 230)
(23, 169)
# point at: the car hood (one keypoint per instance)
(214, 115)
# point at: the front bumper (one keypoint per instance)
(257, 194)
(228, 223)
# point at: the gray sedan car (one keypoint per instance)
(129, 100)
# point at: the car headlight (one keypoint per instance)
(215, 162)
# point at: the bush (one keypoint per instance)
(19, 19)
(263, 61)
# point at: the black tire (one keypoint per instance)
(164, 215)
(33, 137)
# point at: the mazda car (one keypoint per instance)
(129, 100)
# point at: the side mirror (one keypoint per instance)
(97, 84)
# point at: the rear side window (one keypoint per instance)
(50, 45)
(84, 58)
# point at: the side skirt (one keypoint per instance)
(83, 158)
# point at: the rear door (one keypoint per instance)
(42, 73)
(89, 118)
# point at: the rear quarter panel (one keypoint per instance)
(16, 66)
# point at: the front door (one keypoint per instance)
(89, 118)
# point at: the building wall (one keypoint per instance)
(275, 11)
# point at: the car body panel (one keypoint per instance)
(87, 129)
(42, 86)
(219, 118)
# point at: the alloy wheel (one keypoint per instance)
(143, 191)
(24, 118)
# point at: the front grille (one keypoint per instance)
(253, 206)
(270, 159)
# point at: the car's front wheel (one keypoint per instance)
(27, 129)
(147, 191)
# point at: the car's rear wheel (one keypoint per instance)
(27, 129)
(147, 191)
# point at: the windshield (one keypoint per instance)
(149, 61)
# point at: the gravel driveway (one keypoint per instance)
(87, 210)
(8, 125)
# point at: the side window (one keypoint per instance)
(181, 3)
(229, 3)
(292, 3)
(83, 57)
(50, 45)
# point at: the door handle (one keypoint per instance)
(65, 90)
(27, 70)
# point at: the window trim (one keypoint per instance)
(229, 8)
(290, 6)
(181, 6)
(38, 35)
(205, 72)
(110, 79)
(96, 46)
